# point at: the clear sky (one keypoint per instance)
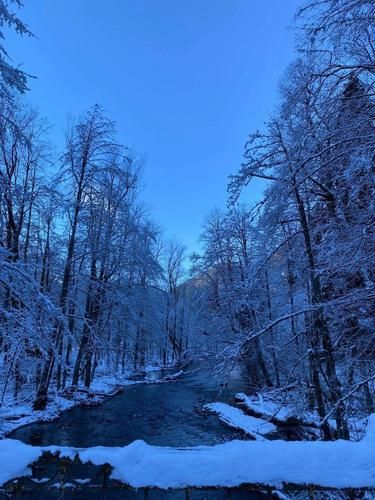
(186, 80)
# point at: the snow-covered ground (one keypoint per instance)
(280, 413)
(236, 418)
(13, 416)
(336, 464)
(267, 409)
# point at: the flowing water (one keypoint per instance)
(164, 414)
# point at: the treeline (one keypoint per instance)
(285, 288)
(290, 282)
(87, 280)
(88, 283)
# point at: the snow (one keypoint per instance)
(14, 459)
(230, 464)
(14, 416)
(281, 413)
(174, 376)
(335, 464)
(274, 410)
(370, 430)
(236, 418)
(157, 366)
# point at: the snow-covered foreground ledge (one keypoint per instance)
(336, 464)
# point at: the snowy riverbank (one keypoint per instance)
(235, 418)
(268, 416)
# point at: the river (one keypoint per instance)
(164, 414)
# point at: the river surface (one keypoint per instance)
(164, 414)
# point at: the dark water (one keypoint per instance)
(165, 414)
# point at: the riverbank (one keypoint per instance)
(266, 415)
(14, 415)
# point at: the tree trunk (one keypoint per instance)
(320, 332)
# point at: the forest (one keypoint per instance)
(282, 290)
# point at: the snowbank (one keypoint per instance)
(174, 376)
(336, 464)
(15, 457)
(14, 416)
(235, 418)
(274, 411)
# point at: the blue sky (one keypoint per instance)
(186, 80)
